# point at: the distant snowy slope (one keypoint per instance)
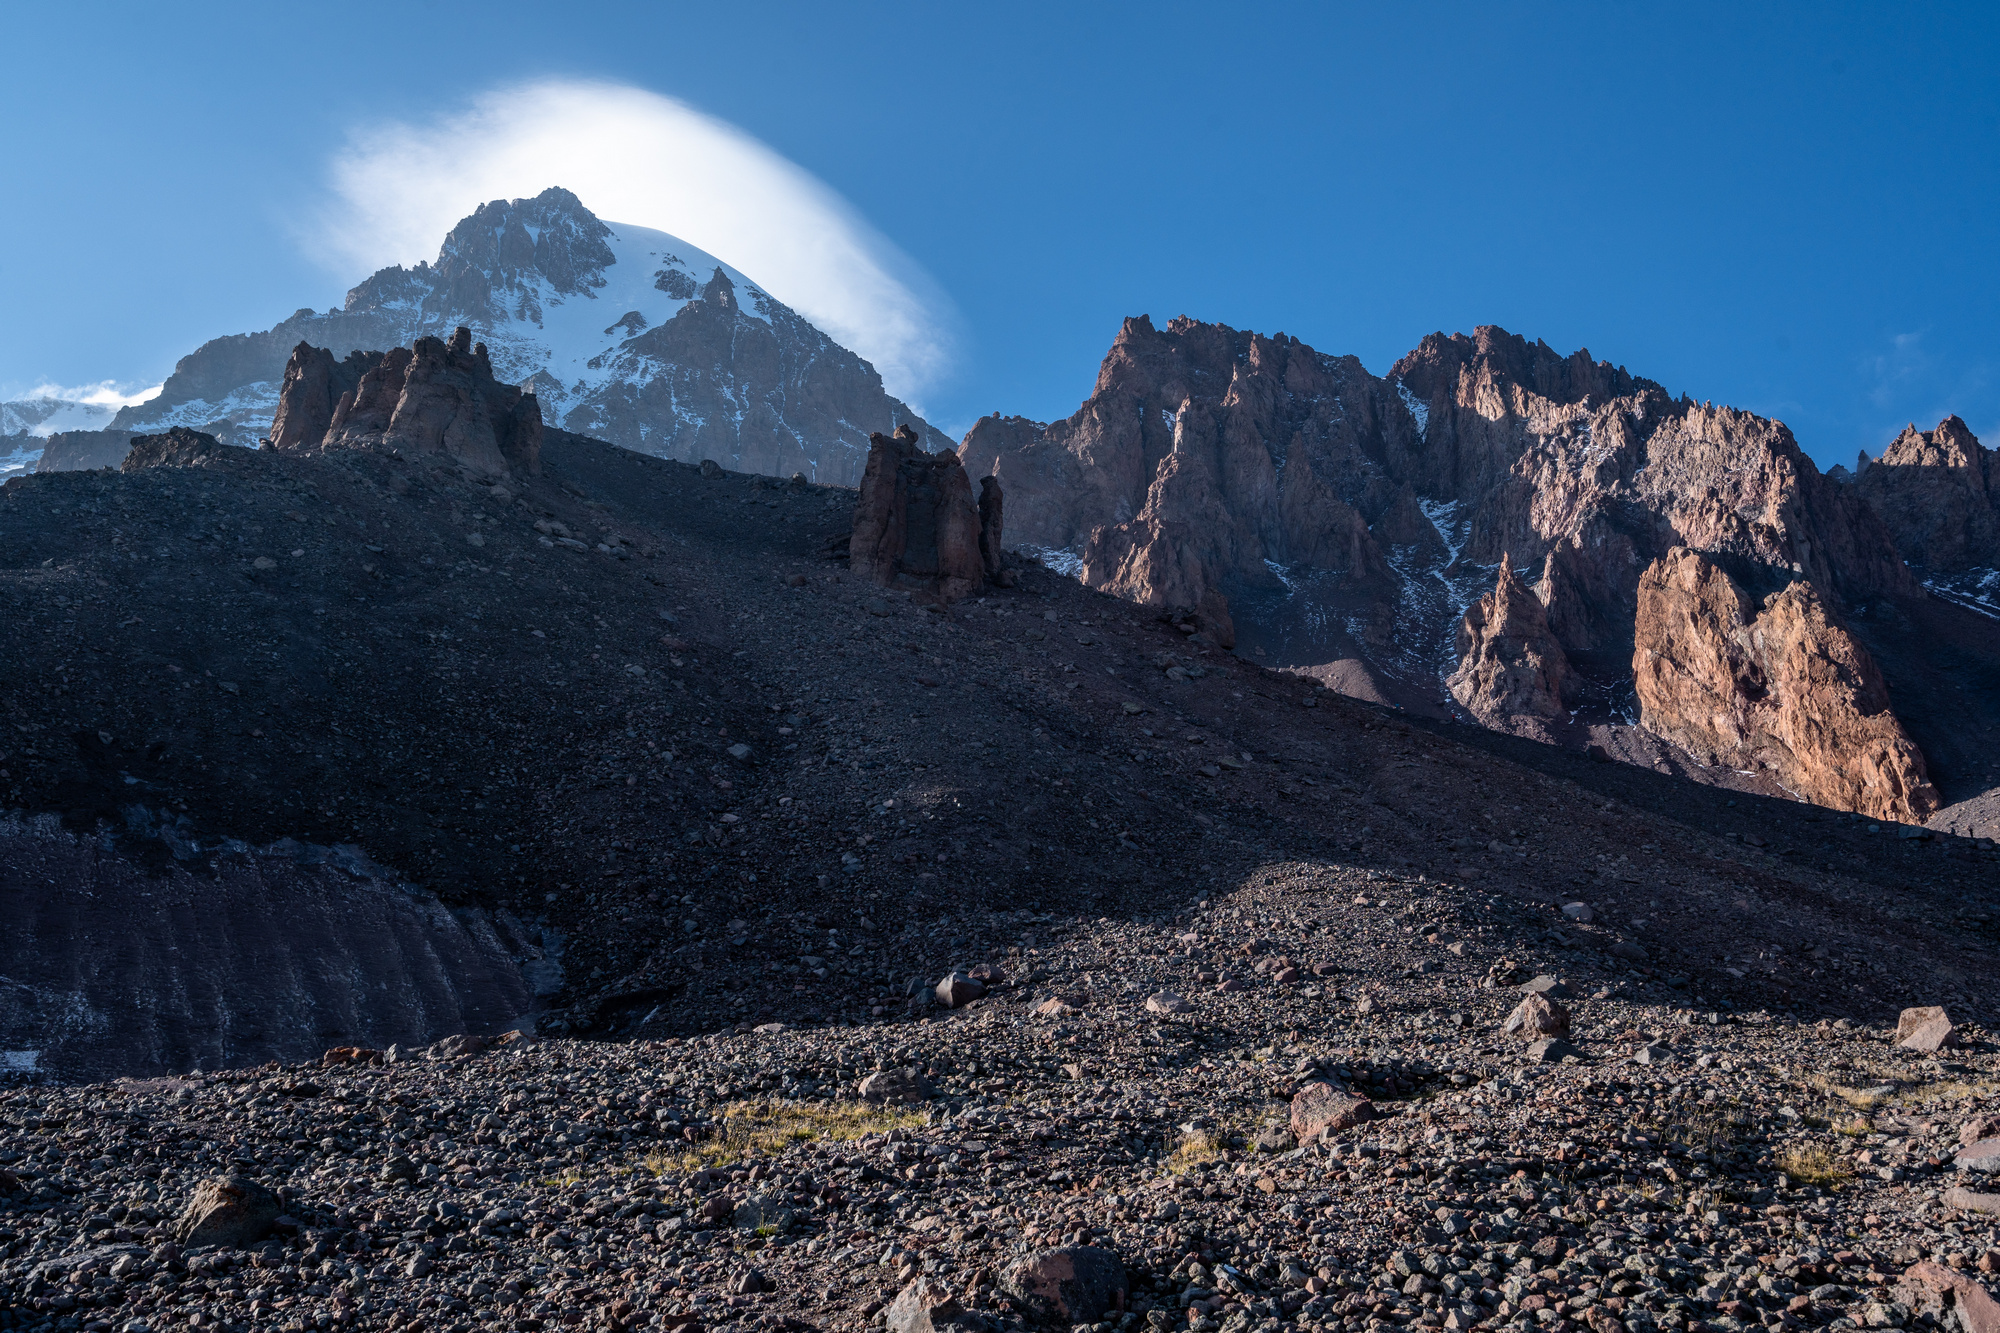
(46, 416)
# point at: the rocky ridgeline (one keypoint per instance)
(1062, 1148)
(1351, 522)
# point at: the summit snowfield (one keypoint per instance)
(624, 333)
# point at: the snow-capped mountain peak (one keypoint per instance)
(622, 331)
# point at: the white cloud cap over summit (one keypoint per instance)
(639, 158)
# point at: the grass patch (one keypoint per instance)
(1814, 1164)
(765, 1129)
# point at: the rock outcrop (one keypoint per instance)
(81, 450)
(915, 524)
(1512, 673)
(1205, 457)
(177, 447)
(1780, 686)
(623, 333)
(1939, 492)
(437, 397)
(313, 386)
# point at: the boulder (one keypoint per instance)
(897, 1085)
(1925, 1028)
(1970, 1201)
(764, 1210)
(1319, 1107)
(1166, 1002)
(1076, 1284)
(1536, 1017)
(959, 989)
(927, 1305)
(1981, 1155)
(176, 447)
(1549, 986)
(1953, 1300)
(1553, 1050)
(1778, 685)
(1979, 1127)
(232, 1211)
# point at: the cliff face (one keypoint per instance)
(1939, 492)
(1780, 686)
(1374, 525)
(621, 332)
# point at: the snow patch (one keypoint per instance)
(1067, 563)
(1419, 409)
(1284, 575)
(1976, 590)
(18, 460)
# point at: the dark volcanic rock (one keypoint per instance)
(79, 450)
(1076, 1284)
(1780, 686)
(230, 1211)
(178, 447)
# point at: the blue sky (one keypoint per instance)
(1792, 209)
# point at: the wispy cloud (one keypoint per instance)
(636, 157)
(104, 393)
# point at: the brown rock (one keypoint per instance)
(1953, 1299)
(1970, 1201)
(1925, 1028)
(927, 1305)
(1939, 492)
(1781, 687)
(437, 397)
(1319, 1107)
(229, 1210)
(313, 386)
(1077, 1284)
(1512, 673)
(1979, 1127)
(915, 525)
(1536, 1017)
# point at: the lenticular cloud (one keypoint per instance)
(640, 158)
